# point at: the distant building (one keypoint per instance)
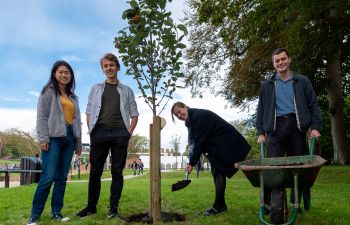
(167, 160)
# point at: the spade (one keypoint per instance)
(181, 184)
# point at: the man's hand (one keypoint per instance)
(315, 133)
(261, 138)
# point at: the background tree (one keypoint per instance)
(239, 36)
(138, 144)
(187, 151)
(247, 128)
(175, 146)
(17, 143)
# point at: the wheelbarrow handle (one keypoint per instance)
(312, 146)
(262, 150)
(311, 150)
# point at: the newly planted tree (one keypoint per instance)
(151, 49)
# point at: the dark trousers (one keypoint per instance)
(220, 186)
(286, 139)
(102, 140)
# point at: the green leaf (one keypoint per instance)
(180, 45)
(183, 28)
(169, 22)
(133, 4)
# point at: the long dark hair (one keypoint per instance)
(53, 83)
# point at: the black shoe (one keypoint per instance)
(113, 212)
(33, 220)
(60, 218)
(213, 211)
(86, 212)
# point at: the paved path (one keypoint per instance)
(17, 183)
(126, 177)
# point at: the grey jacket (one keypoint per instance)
(307, 109)
(50, 118)
(128, 106)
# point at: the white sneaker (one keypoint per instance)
(60, 218)
(33, 221)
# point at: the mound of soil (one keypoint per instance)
(145, 218)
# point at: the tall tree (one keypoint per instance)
(17, 143)
(239, 35)
(175, 147)
(138, 144)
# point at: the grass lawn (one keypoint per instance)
(330, 200)
(106, 174)
(10, 161)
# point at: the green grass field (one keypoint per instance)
(330, 200)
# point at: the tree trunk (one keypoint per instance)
(155, 204)
(336, 110)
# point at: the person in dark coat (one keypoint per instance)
(219, 141)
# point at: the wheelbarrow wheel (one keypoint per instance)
(278, 206)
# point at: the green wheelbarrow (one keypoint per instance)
(279, 173)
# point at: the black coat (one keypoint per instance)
(218, 140)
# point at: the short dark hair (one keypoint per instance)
(111, 57)
(177, 104)
(279, 51)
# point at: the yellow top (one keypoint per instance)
(68, 109)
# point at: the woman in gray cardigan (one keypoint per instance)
(59, 133)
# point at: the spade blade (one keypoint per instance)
(180, 185)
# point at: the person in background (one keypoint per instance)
(140, 167)
(287, 109)
(111, 106)
(134, 166)
(37, 156)
(59, 132)
(219, 141)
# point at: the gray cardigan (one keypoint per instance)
(50, 118)
(128, 106)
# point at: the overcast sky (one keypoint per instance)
(36, 33)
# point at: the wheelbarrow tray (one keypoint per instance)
(279, 171)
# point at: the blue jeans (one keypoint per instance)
(55, 167)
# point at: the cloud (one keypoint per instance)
(71, 58)
(34, 93)
(23, 119)
(11, 99)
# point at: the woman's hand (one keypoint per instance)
(78, 151)
(189, 168)
(44, 146)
